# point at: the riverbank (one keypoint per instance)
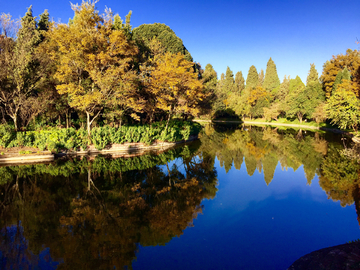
(300, 126)
(32, 155)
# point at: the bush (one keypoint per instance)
(55, 139)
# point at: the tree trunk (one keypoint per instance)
(67, 118)
(167, 123)
(88, 124)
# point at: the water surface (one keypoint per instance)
(240, 198)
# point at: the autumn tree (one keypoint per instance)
(94, 63)
(351, 61)
(271, 80)
(258, 99)
(175, 85)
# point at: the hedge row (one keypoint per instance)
(54, 139)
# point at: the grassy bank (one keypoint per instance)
(55, 139)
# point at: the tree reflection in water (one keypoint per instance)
(94, 214)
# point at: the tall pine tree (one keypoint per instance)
(25, 66)
(229, 82)
(271, 80)
(252, 78)
(239, 82)
(261, 77)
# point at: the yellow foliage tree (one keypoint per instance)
(351, 61)
(174, 85)
(94, 63)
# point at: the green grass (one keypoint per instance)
(293, 122)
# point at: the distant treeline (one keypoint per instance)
(334, 96)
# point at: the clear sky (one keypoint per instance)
(238, 34)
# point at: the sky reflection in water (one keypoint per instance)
(262, 221)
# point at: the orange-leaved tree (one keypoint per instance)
(94, 63)
(175, 85)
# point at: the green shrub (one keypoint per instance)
(7, 134)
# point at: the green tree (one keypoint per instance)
(300, 101)
(239, 82)
(283, 89)
(261, 77)
(229, 82)
(343, 108)
(313, 87)
(271, 80)
(252, 78)
(24, 70)
(167, 37)
(342, 75)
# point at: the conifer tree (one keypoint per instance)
(314, 86)
(252, 78)
(239, 82)
(342, 75)
(209, 78)
(220, 95)
(25, 71)
(229, 82)
(261, 77)
(44, 22)
(346, 74)
(271, 80)
(283, 89)
(338, 80)
(313, 75)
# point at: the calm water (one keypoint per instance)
(240, 198)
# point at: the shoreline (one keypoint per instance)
(334, 130)
(116, 150)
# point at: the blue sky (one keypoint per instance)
(238, 34)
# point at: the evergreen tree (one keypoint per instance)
(301, 101)
(252, 78)
(313, 75)
(209, 77)
(229, 82)
(25, 68)
(346, 74)
(337, 81)
(44, 23)
(283, 89)
(313, 84)
(261, 77)
(239, 82)
(271, 80)
(219, 103)
(342, 75)
(169, 40)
